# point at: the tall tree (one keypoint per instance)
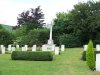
(63, 22)
(61, 25)
(86, 19)
(33, 18)
(5, 36)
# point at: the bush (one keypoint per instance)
(84, 55)
(90, 56)
(35, 56)
(8, 52)
(36, 36)
(22, 40)
(0, 51)
(69, 40)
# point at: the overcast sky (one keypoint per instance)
(9, 9)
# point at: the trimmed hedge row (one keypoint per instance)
(35, 56)
(84, 55)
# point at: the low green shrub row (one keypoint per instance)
(29, 55)
(84, 55)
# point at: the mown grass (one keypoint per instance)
(68, 63)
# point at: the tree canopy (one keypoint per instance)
(83, 21)
(32, 18)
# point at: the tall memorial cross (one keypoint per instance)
(50, 32)
(50, 41)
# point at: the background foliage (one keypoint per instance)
(5, 37)
(73, 28)
(83, 22)
(36, 36)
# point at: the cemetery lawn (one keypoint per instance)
(68, 63)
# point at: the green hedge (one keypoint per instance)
(0, 51)
(35, 56)
(84, 55)
(69, 41)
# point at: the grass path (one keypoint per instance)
(68, 63)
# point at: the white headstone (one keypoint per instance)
(53, 47)
(98, 62)
(34, 48)
(85, 47)
(26, 47)
(12, 48)
(57, 51)
(44, 48)
(1, 46)
(9, 47)
(17, 46)
(3, 50)
(23, 49)
(62, 47)
(97, 47)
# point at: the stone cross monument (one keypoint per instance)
(50, 41)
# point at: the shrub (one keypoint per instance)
(90, 56)
(36, 36)
(0, 51)
(69, 40)
(8, 52)
(35, 56)
(84, 55)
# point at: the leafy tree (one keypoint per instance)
(1, 27)
(62, 25)
(20, 32)
(86, 19)
(38, 36)
(33, 18)
(5, 37)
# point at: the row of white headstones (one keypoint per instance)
(97, 56)
(25, 48)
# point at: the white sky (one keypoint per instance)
(9, 9)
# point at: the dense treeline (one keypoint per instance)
(76, 27)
